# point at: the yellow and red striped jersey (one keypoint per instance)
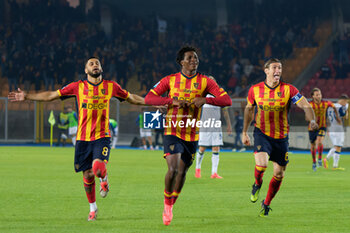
(93, 106)
(320, 112)
(182, 87)
(272, 107)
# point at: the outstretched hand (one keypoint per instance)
(17, 96)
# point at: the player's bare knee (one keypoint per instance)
(172, 171)
(88, 174)
(181, 173)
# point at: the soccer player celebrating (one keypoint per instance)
(211, 137)
(93, 137)
(336, 131)
(316, 137)
(272, 99)
(186, 95)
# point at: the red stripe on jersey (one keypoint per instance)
(186, 111)
(262, 120)
(173, 119)
(188, 83)
(177, 80)
(272, 115)
(95, 90)
(105, 87)
(83, 126)
(200, 81)
(282, 91)
(103, 123)
(93, 124)
(94, 116)
(281, 116)
(104, 118)
(86, 88)
(323, 118)
(183, 129)
(261, 91)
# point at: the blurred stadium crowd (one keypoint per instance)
(44, 45)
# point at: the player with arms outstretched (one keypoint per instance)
(93, 137)
(336, 131)
(316, 137)
(272, 99)
(186, 95)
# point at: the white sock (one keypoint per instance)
(330, 153)
(199, 159)
(214, 162)
(336, 159)
(114, 142)
(74, 140)
(93, 207)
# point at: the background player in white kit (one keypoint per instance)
(336, 131)
(211, 137)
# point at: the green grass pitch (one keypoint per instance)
(40, 192)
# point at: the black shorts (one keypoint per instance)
(173, 145)
(277, 149)
(86, 152)
(320, 132)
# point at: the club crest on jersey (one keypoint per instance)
(196, 85)
(103, 91)
(172, 147)
(279, 94)
(258, 147)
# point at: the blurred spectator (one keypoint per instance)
(325, 72)
(48, 41)
(343, 50)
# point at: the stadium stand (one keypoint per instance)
(333, 78)
(45, 53)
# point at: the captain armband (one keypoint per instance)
(296, 98)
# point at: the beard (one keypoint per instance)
(95, 75)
